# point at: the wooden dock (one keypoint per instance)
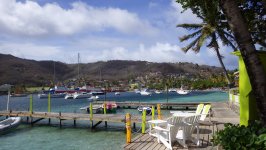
(115, 118)
(164, 105)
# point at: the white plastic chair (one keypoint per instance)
(168, 135)
(187, 129)
(197, 112)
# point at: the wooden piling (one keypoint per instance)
(31, 104)
(159, 111)
(128, 128)
(49, 102)
(60, 119)
(143, 124)
(104, 108)
(91, 113)
(104, 111)
(152, 114)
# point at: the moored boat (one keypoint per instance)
(81, 95)
(9, 124)
(56, 95)
(69, 96)
(145, 92)
(181, 91)
(117, 93)
(148, 109)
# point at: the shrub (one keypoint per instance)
(236, 137)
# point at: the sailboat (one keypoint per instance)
(11, 122)
(181, 91)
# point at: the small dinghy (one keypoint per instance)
(148, 109)
(9, 124)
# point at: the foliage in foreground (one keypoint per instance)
(236, 137)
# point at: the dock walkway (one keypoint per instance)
(221, 115)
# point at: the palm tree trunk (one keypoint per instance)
(222, 65)
(253, 64)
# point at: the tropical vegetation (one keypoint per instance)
(246, 21)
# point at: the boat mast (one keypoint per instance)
(78, 65)
(54, 72)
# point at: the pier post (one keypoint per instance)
(152, 113)
(60, 119)
(31, 104)
(159, 111)
(91, 113)
(104, 111)
(143, 124)
(128, 127)
(74, 122)
(49, 102)
(104, 108)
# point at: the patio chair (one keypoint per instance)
(197, 112)
(164, 124)
(205, 112)
(168, 135)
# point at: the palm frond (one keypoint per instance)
(189, 46)
(226, 41)
(190, 26)
(200, 42)
(189, 36)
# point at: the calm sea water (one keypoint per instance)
(43, 137)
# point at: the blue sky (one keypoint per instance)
(100, 30)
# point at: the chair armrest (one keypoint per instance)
(160, 129)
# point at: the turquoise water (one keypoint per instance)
(43, 137)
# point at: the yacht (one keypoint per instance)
(145, 92)
(158, 92)
(69, 96)
(81, 95)
(56, 95)
(182, 92)
(117, 93)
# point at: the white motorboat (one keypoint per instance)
(81, 95)
(9, 124)
(145, 92)
(148, 109)
(172, 90)
(117, 93)
(94, 97)
(97, 93)
(69, 96)
(57, 95)
(182, 92)
(158, 92)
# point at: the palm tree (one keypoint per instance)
(253, 64)
(209, 31)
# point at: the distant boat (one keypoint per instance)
(18, 95)
(117, 93)
(69, 96)
(9, 124)
(148, 109)
(57, 95)
(94, 97)
(172, 90)
(137, 91)
(81, 95)
(182, 92)
(95, 109)
(158, 92)
(97, 93)
(145, 92)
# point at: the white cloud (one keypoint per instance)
(30, 18)
(30, 51)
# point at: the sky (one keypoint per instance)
(100, 30)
